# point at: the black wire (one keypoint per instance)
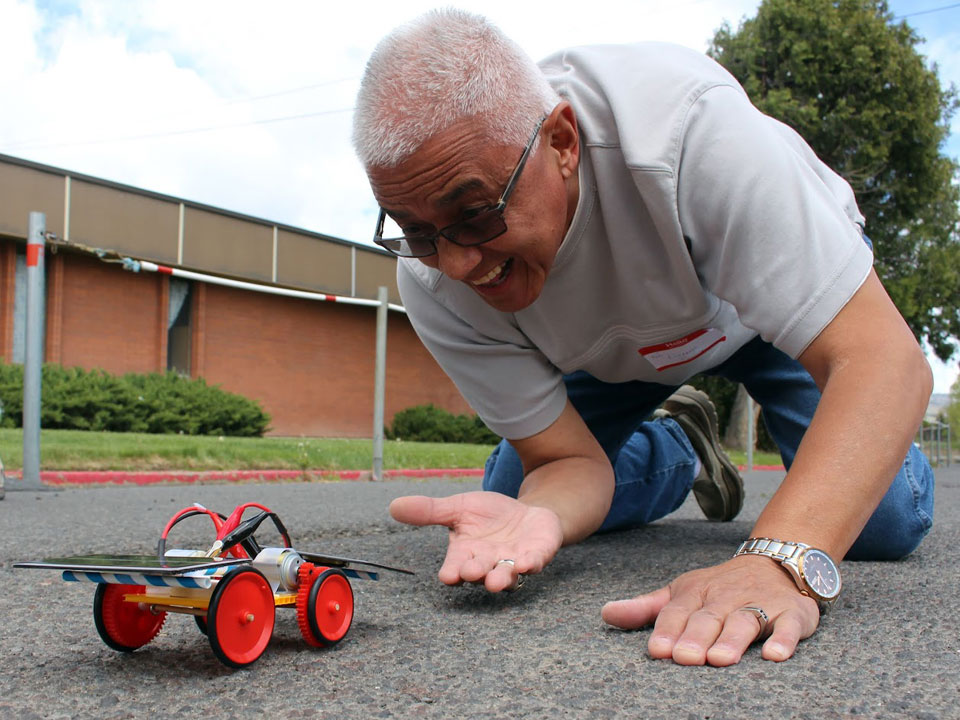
(291, 91)
(28, 146)
(927, 12)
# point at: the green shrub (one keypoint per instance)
(77, 399)
(427, 423)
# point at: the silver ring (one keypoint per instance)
(761, 617)
(518, 583)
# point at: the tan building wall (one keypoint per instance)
(149, 226)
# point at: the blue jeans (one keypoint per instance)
(654, 462)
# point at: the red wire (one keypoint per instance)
(231, 523)
(217, 522)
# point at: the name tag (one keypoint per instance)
(683, 350)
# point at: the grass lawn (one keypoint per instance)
(77, 450)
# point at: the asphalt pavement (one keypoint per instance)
(890, 649)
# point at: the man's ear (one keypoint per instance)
(563, 136)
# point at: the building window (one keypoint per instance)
(178, 326)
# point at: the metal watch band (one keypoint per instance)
(776, 549)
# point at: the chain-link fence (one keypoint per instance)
(934, 440)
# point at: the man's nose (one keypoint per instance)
(456, 261)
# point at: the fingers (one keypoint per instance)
(451, 572)
(503, 576)
(422, 510)
(484, 566)
(705, 635)
(702, 631)
(710, 635)
(486, 529)
(670, 626)
(740, 630)
(636, 612)
(787, 634)
(508, 574)
(713, 615)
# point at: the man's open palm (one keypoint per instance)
(486, 528)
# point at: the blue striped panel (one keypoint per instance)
(69, 576)
(125, 580)
(155, 580)
(360, 574)
(95, 577)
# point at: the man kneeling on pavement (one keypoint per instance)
(578, 239)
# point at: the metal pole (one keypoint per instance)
(33, 356)
(379, 383)
(146, 266)
(949, 447)
(749, 433)
(939, 426)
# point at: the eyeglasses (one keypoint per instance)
(476, 230)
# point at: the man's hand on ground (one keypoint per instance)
(485, 528)
(699, 617)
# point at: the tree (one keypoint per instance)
(851, 81)
(737, 431)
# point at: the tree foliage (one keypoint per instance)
(851, 81)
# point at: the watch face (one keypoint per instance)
(821, 574)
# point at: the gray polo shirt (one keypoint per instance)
(701, 224)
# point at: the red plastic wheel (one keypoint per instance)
(122, 625)
(240, 617)
(330, 607)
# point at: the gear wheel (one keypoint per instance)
(122, 625)
(306, 576)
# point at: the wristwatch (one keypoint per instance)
(814, 572)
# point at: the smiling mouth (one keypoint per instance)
(496, 276)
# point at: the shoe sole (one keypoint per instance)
(688, 402)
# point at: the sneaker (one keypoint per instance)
(718, 487)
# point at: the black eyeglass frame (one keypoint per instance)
(493, 215)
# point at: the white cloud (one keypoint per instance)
(118, 70)
(944, 374)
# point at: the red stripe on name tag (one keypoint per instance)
(682, 350)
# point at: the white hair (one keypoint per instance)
(444, 67)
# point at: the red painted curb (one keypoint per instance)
(120, 477)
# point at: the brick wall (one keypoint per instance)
(99, 316)
(312, 363)
(8, 275)
(309, 363)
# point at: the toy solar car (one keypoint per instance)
(232, 589)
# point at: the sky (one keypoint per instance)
(246, 105)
